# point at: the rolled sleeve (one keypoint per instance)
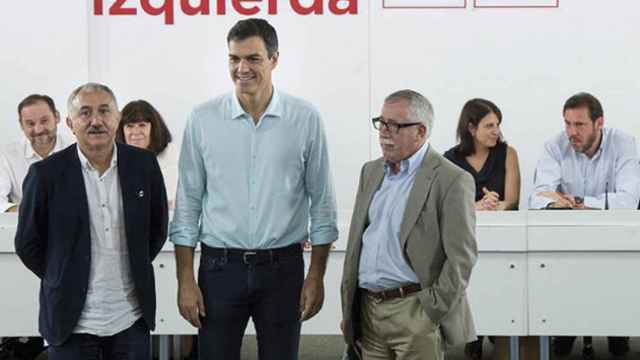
(319, 187)
(185, 226)
(547, 177)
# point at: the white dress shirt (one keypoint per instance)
(612, 175)
(15, 159)
(168, 161)
(111, 305)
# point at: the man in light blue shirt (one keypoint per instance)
(587, 166)
(254, 183)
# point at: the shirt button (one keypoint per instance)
(106, 229)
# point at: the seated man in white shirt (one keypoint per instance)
(587, 166)
(39, 120)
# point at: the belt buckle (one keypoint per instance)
(401, 290)
(246, 255)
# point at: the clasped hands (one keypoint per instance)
(489, 201)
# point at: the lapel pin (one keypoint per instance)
(140, 193)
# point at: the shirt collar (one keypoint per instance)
(410, 164)
(29, 153)
(86, 165)
(273, 109)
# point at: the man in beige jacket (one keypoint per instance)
(411, 243)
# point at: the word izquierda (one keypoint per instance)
(168, 8)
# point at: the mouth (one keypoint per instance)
(245, 78)
(386, 144)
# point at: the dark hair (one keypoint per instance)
(586, 100)
(472, 112)
(138, 111)
(33, 99)
(247, 28)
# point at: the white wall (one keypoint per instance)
(528, 61)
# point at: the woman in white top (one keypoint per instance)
(142, 125)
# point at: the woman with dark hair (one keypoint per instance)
(493, 164)
(142, 125)
(482, 152)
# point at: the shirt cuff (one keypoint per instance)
(323, 239)
(539, 202)
(593, 202)
(6, 206)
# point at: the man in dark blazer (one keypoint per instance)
(92, 219)
(411, 243)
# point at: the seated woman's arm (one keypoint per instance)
(512, 182)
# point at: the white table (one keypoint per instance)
(539, 273)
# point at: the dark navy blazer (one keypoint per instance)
(53, 238)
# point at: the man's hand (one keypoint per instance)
(190, 303)
(560, 200)
(14, 208)
(342, 326)
(311, 298)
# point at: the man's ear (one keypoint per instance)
(599, 123)
(69, 124)
(274, 59)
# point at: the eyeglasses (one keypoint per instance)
(392, 127)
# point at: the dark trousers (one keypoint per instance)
(130, 344)
(264, 285)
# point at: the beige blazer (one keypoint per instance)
(438, 237)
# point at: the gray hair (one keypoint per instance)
(420, 108)
(88, 87)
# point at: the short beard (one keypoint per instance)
(589, 143)
(42, 141)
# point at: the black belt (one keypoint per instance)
(258, 256)
(393, 293)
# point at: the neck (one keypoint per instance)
(99, 158)
(256, 104)
(44, 151)
(480, 150)
(596, 145)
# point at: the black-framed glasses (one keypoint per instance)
(379, 123)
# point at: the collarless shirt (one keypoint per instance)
(382, 261)
(15, 159)
(249, 185)
(612, 175)
(111, 305)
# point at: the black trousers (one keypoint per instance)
(263, 285)
(130, 344)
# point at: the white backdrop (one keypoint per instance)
(526, 60)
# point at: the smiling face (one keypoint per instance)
(583, 133)
(39, 125)
(401, 145)
(94, 119)
(487, 133)
(138, 134)
(250, 66)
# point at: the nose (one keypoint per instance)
(39, 128)
(571, 130)
(243, 65)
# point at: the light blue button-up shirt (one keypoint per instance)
(382, 262)
(613, 170)
(254, 186)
